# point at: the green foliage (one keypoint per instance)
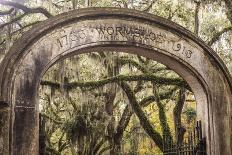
(85, 114)
(190, 113)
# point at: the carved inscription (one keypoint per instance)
(21, 104)
(183, 49)
(23, 101)
(75, 36)
(131, 33)
(63, 40)
(24, 107)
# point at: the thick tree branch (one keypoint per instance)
(147, 100)
(139, 86)
(139, 66)
(104, 150)
(26, 9)
(162, 116)
(217, 36)
(127, 113)
(3, 13)
(145, 123)
(99, 145)
(148, 8)
(143, 77)
(229, 9)
(2, 42)
(13, 20)
(118, 78)
(123, 123)
(179, 129)
(124, 61)
(26, 26)
(197, 8)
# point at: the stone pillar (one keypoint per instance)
(4, 130)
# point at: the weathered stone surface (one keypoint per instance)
(124, 30)
(4, 131)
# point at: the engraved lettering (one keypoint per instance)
(152, 36)
(119, 31)
(160, 38)
(73, 36)
(100, 30)
(186, 52)
(189, 53)
(130, 32)
(82, 34)
(125, 33)
(63, 40)
(77, 34)
(127, 30)
(136, 32)
(144, 35)
(176, 47)
(110, 30)
(183, 51)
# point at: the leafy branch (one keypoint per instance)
(217, 36)
(26, 11)
(119, 78)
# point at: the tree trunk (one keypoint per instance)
(229, 9)
(123, 123)
(197, 8)
(144, 122)
(42, 138)
(179, 129)
(162, 116)
(88, 3)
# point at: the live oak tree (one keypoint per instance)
(149, 77)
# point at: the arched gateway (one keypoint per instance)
(115, 29)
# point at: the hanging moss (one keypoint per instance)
(118, 78)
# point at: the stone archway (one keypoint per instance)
(121, 30)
